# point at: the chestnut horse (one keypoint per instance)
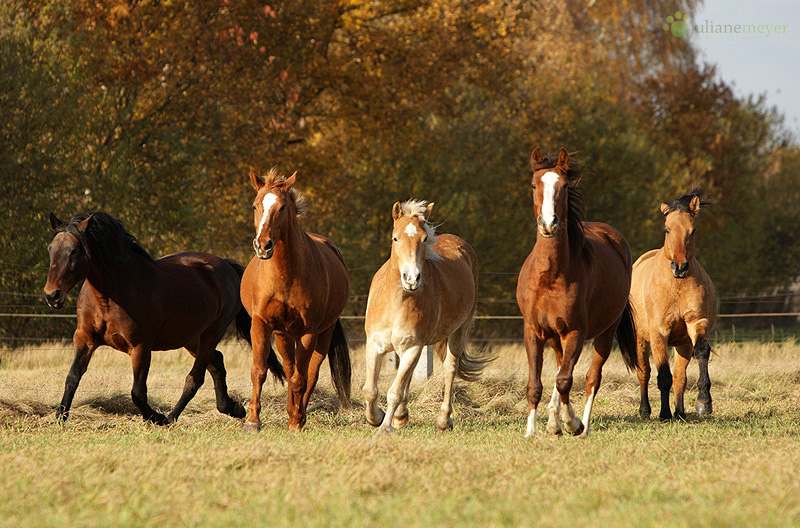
(573, 286)
(425, 294)
(136, 304)
(675, 305)
(295, 288)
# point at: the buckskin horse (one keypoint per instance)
(425, 294)
(137, 304)
(675, 304)
(295, 288)
(573, 286)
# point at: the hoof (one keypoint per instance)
(399, 421)
(377, 419)
(665, 416)
(158, 419)
(554, 429)
(444, 424)
(579, 432)
(575, 427)
(679, 415)
(250, 427)
(644, 412)
(236, 410)
(704, 408)
(383, 432)
(583, 435)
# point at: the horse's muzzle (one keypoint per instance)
(545, 229)
(55, 299)
(265, 252)
(679, 271)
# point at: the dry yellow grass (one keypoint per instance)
(105, 467)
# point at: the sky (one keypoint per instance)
(756, 64)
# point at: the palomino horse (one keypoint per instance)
(295, 288)
(573, 286)
(136, 304)
(675, 305)
(424, 294)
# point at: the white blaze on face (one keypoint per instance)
(268, 201)
(549, 180)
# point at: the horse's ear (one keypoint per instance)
(694, 205)
(255, 181)
(55, 223)
(536, 157)
(290, 181)
(664, 208)
(397, 211)
(563, 159)
(83, 225)
(427, 212)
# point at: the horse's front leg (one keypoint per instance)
(698, 332)
(298, 382)
(260, 336)
(534, 348)
(140, 360)
(554, 407)
(408, 360)
(571, 343)
(374, 360)
(84, 349)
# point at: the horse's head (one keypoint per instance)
(550, 186)
(276, 204)
(412, 238)
(69, 262)
(679, 229)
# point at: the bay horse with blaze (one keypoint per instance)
(294, 288)
(137, 304)
(675, 305)
(573, 286)
(425, 294)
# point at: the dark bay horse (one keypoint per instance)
(675, 304)
(295, 288)
(136, 304)
(573, 286)
(425, 294)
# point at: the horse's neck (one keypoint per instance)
(119, 279)
(552, 254)
(290, 252)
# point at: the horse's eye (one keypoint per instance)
(693, 230)
(394, 239)
(254, 208)
(666, 230)
(282, 208)
(425, 239)
(533, 186)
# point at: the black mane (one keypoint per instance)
(576, 206)
(105, 238)
(681, 203)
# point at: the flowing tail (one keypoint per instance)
(626, 338)
(243, 323)
(339, 361)
(470, 366)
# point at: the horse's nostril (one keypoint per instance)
(269, 245)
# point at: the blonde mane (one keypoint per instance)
(416, 208)
(274, 178)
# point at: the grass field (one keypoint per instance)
(105, 467)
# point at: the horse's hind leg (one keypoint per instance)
(643, 373)
(140, 360)
(554, 407)
(374, 359)
(225, 404)
(194, 380)
(456, 346)
(601, 351)
(682, 358)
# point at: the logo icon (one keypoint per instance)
(678, 24)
